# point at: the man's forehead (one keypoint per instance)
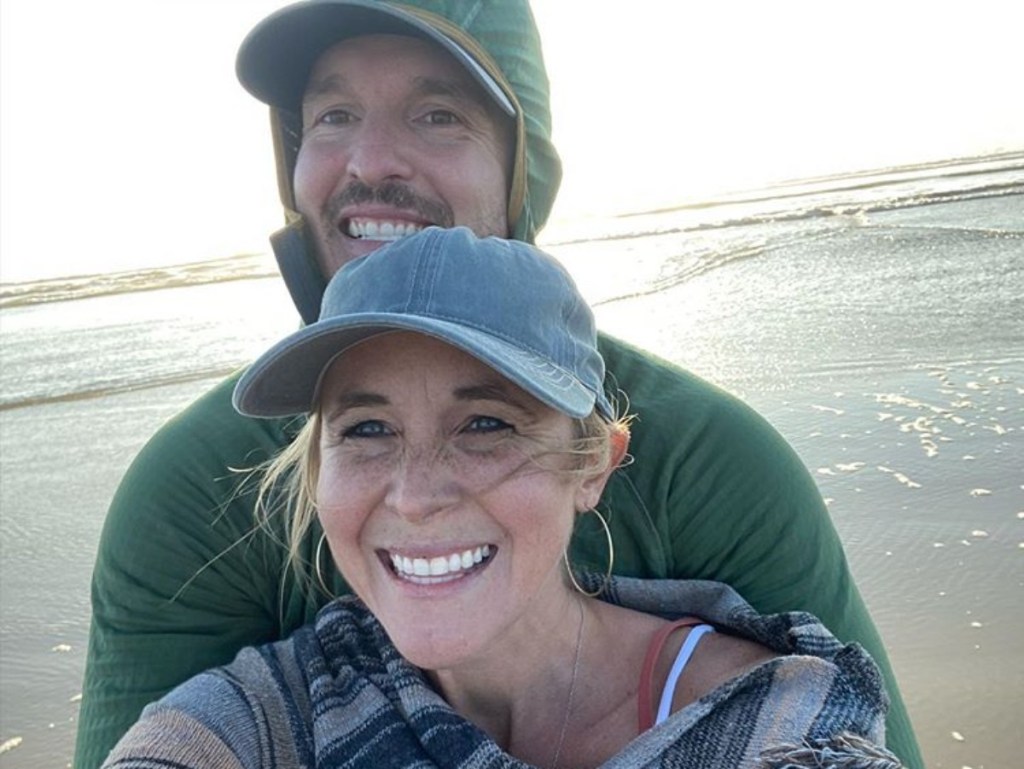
(426, 67)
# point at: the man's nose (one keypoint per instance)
(421, 486)
(378, 153)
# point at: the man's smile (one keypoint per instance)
(365, 228)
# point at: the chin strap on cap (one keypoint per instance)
(301, 274)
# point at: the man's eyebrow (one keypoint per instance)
(331, 84)
(456, 89)
(336, 83)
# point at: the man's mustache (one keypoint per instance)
(392, 194)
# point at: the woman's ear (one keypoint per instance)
(592, 484)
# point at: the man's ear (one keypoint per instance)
(592, 485)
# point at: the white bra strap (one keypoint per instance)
(668, 693)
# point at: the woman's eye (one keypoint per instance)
(487, 425)
(371, 428)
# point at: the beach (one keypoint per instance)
(875, 320)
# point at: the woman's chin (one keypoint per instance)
(437, 648)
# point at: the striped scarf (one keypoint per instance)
(338, 694)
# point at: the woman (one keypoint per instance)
(457, 427)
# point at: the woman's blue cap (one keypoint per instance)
(506, 303)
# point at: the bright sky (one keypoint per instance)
(127, 142)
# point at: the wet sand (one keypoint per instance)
(61, 465)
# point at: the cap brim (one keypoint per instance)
(277, 56)
(285, 380)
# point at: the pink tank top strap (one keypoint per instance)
(644, 696)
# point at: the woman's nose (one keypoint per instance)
(422, 485)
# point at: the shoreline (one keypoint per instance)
(254, 266)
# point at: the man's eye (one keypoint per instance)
(441, 117)
(487, 425)
(371, 428)
(335, 117)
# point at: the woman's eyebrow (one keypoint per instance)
(338, 405)
(488, 392)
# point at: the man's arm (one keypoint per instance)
(182, 580)
(716, 493)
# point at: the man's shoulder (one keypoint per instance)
(672, 402)
(641, 374)
(194, 465)
(210, 428)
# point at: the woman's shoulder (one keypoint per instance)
(718, 658)
(756, 650)
(718, 604)
(739, 697)
(722, 663)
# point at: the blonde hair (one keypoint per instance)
(289, 480)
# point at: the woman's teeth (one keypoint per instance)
(440, 566)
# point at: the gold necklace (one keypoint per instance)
(572, 686)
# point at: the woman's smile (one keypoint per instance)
(438, 569)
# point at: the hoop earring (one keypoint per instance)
(316, 568)
(611, 559)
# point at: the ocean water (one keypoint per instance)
(875, 319)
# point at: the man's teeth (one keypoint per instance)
(371, 229)
(442, 565)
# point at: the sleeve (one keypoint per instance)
(173, 739)
(182, 579)
(716, 493)
(210, 722)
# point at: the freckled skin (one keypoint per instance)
(454, 459)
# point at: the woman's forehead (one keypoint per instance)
(402, 366)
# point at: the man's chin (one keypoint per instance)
(352, 250)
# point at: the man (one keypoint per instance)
(387, 119)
